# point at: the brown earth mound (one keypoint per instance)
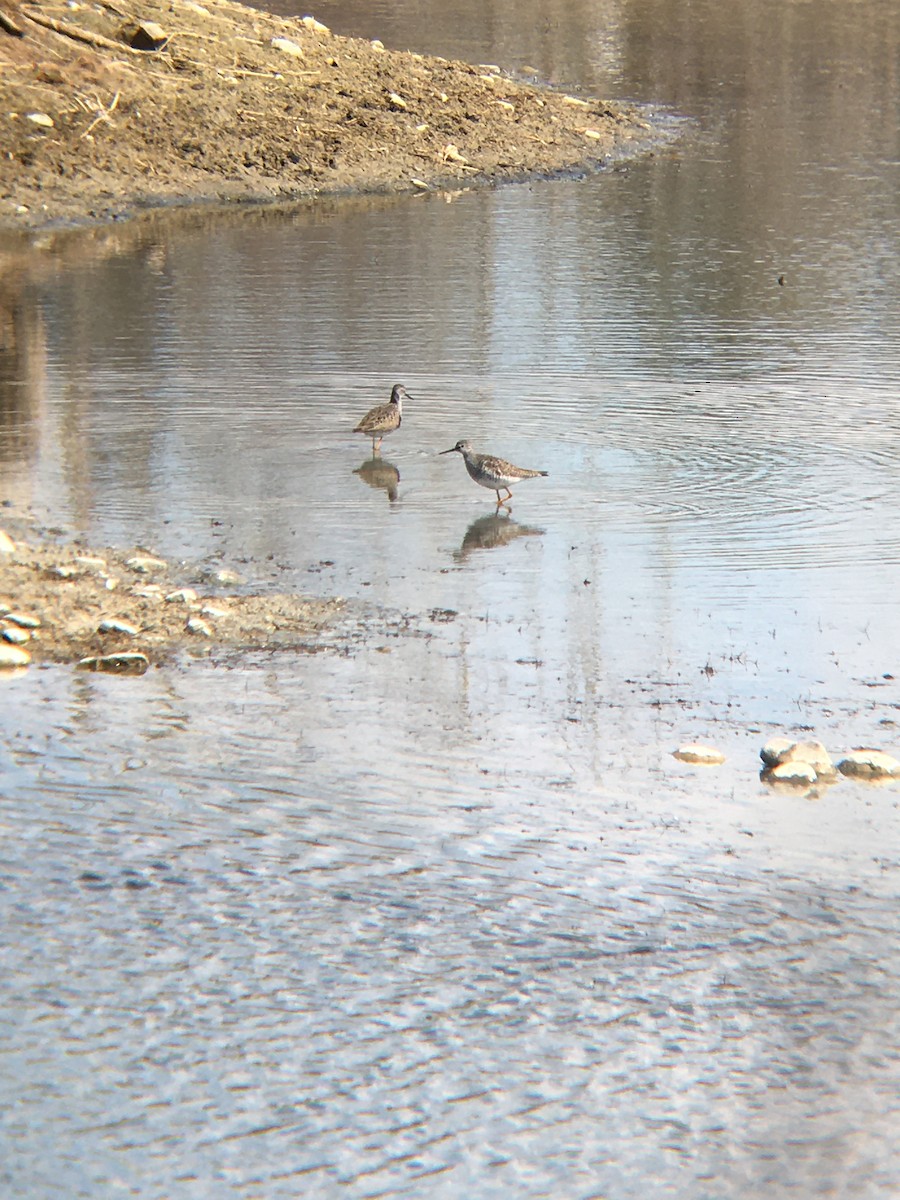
(106, 106)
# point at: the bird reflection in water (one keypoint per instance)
(493, 530)
(377, 472)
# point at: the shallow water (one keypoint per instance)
(438, 914)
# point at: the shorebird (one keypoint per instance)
(385, 418)
(491, 472)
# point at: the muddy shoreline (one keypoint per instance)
(100, 121)
(125, 610)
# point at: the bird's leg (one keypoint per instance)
(376, 445)
(504, 503)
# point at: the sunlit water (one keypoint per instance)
(438, 914)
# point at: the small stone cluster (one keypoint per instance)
(803, 764)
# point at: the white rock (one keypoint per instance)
(42, 119)
(182, 596)
(23, 620)
(15, 635)
(774, 750)
(869, 764)
(314, 25)
(695, 753)
(286, 46)
(116, 626)
(144, 564)
(91, 562)
(7, 545)
(228, 578)
(195, 625)
(813, 753)
(800, 774)
(13, 656)
(210, 610)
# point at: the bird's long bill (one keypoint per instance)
(450, 451)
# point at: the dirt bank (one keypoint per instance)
(229, 103)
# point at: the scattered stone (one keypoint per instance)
(774, 750)
(182, 596)
(210, 610)
(706, 756)
(782, 751)
(58, 571)
(286, 46)
(42, 119)
(13, 656)
(7, 545)
(800, 774)
(128, 663)
(23, 620)
(145, 35)
(228, 578)
(15, 635)
(869, 764)
(314, 25)
(195, 625)
(116, 626)
(146, 564)
(92, 562)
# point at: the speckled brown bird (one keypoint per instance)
(385, 418)
(491, 472)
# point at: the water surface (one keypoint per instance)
(438, 914)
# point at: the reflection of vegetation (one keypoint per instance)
(21, 370)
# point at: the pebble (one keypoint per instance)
(801, 774)
(210, 610)
(116, 626)
(195, 625)
(286, 46)
(145, 564)
(781, 751)
(228, 578)
(129, 663)
(774, 750)
(703, 755)
(24, 620)
(15, 635)
(91, 562)
(314, 25)
(182, 596)
(13, 656)
(7, 545)
(869, 764)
